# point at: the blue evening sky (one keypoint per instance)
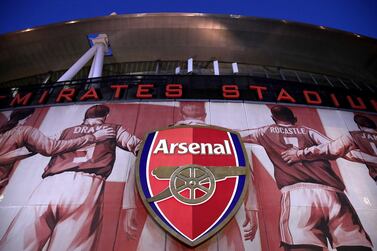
(358, 16)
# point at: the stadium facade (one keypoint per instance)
(187, 131)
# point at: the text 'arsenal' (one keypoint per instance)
(193, 148)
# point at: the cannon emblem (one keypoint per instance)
(193, 178)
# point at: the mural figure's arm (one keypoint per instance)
(252, 135)
(327, 150)
(130, 223)
(18, 154)
(250, 224)
(35, 141)
(127, 141)
(343, 146)
(317, 137)
(130, 143)
(358, 156)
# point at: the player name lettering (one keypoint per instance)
(290, 131)
(193, 148)
(87, 129)
(369, 136)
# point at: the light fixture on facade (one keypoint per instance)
(235, 16)
(71, 22)
(27, 30)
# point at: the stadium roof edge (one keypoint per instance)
(190, 14)
(177, 36)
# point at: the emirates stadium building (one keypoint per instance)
(187, 131)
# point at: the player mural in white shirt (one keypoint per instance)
(65, 211)
(153, 237)
(314, 208)
(359, 146)
(18, 141)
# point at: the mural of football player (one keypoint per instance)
(314, 207)
(18, 141)
(363, 141)
(65, 209)
(154, 237)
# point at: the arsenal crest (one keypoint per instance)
(192, 179)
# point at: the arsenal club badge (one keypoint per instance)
(192, 179)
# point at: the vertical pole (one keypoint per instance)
(98, 60)
(47, 78)
(177, 70)
(216, 69)
(76, 67)
(157, 67)
(235, 68)
(190, 65)
(92, 66)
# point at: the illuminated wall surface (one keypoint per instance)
(83, 198)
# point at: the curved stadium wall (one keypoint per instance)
(280, 86)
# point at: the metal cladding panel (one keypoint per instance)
(149, 37)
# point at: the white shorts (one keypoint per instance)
(312, 213)
(64, 211)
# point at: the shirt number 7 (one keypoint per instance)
(291, 141)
